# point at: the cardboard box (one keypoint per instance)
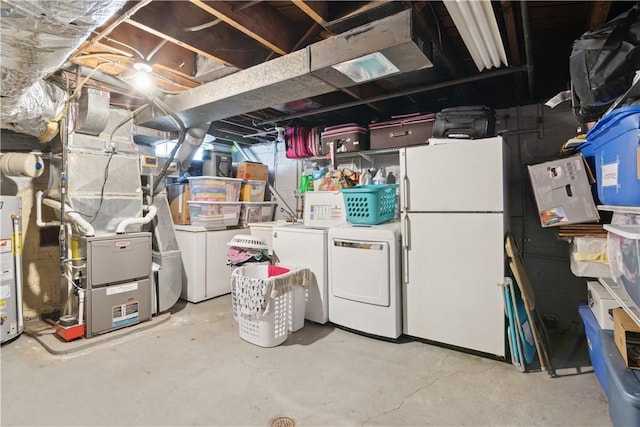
(626, 334)
(562, 189)
(253, 171)
(178, 195)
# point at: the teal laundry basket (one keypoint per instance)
(370, 204)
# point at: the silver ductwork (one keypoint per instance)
(302, 74)
(192, 141)
(101, 174)
(37, 37)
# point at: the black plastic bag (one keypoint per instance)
(603, 63)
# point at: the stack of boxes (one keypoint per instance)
(612, 152)
(213, 201)
(254, 182)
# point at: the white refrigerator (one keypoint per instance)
(453, 199)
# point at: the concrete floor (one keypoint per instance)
(193, 369)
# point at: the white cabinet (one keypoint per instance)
(205, 273)
(306, 247)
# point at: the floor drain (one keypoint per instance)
(283, 422)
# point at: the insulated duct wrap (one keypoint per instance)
(37, 37)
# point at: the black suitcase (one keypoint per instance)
(472, 122)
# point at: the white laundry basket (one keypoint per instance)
(283, 314)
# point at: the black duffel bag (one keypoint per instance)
(471, 122)
(602, 64)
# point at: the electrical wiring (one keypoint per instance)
(79, 86)
(92, 218)
(182, 135)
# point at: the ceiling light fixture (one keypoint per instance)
(142, 77)
(143, 67)
(478, 28)
(379, 49)
(367, 67)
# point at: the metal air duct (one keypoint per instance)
(302, 74)
(37, 37)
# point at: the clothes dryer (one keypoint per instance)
(365, 278)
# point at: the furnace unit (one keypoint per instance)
(117, 280)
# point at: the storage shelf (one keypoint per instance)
(621, 209)
(367, 154)
(621, 295)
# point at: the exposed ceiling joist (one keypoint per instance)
(115, 21)
(316, 10)
(170, 20)
(512, 36)
(598, 13)
(169, 55)
(429, 24)
(262, 23)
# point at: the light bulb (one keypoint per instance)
(143, 80)
(142, 66)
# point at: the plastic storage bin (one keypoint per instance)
(612, 152)
(215, 188)
(623, 251)
(214, 214)
(256, 212)
(252, 191)
(285, 312)
(623, 384)
(370, 204)
(592, 331)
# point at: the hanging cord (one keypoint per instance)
(78, 91)
(183, 133)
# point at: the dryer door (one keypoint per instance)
(360, 270)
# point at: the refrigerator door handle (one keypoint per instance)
(405, 193)
(405, 248)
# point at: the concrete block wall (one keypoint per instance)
(535, 134)
(42, 290)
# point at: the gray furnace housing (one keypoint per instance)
(117, 281)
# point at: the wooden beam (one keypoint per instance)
(429, 23)
(262, 23)
(129, 10)
(168, 20)
(599, 11)
(169, 56)
(316, 10)
(512, 35)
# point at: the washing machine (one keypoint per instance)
(365, 278)
(299, 245)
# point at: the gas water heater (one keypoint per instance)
(11, 267)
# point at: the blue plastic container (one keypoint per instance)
(370, 204)
(624, 384)
(592, 331)
(613, 152)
